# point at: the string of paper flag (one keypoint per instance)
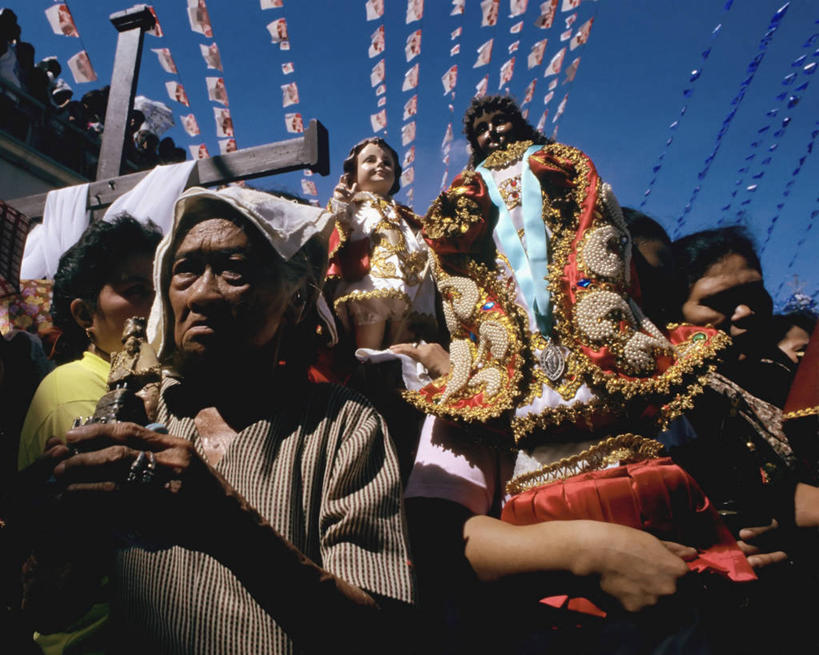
(751, 70)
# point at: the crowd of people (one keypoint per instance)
(47, 123)
(527, 421)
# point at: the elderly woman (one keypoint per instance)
(270, 501)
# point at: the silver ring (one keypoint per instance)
(143, 469)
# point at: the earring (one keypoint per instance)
(89, 334)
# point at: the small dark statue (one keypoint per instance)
(133, 382)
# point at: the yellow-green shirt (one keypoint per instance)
(69, 391)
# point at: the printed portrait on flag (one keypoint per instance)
(413, 47)
(165, 60)
(190, 125)
(61, 21)
(294, 123)
(81, 68)
(210, 53)
(177, 92)
(224, 123)
(227, 145)
(216, 90)
(489, 12)
(290, 94)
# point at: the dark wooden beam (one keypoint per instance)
(310, 151)
(131, 25)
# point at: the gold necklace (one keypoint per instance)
(502, 158)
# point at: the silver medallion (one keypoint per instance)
(553, 362)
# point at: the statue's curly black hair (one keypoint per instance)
(507, 105)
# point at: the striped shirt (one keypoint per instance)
(324, 474)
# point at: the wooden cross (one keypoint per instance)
(310, 151)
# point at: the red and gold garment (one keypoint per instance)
(610, 355)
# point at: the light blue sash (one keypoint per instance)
(530, 271)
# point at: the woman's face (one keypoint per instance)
(128, 293)
(225, 293)
(730, 296)
(375, 170)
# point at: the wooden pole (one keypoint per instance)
(131, 25)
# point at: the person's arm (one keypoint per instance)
(191, 505)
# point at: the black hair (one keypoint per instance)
(350, 165)
(641, 226)
(86, 267)
(781, 323)
(696, 253)
(507, 105)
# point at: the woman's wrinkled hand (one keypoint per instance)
(140, 479)
(432, 356)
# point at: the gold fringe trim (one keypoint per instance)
(511, 153)
(801, 413)
(622, 449)
(380, 294)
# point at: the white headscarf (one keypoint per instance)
(287, 225)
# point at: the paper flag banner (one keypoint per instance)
(381, 90)
(199, 152)
(379, 120)
(374, 8)
(377, 73)
(410, 78)
(408, 176)
(415, 10)
(156, 30)
(530, 92)
(413, 47)
(456, 33)
(489, 12)
(535, 57)
(571, 70)
(570, 20)
(447, 135)
(210, 53)
(454, 50)
(382, 102)
(450, 79)
(409, 157)
(547, 14)
(542, 122)
(411, 107)
(582, 35)
(484, 54)
(555, 64)
(224, 123)
(517, 7)
(568, 5)
(376, 42)
(278, 33)
(200, 20)
(216, 90)
(481, 87)
(271, 4)
(165, 60)
(513, 47)
(226, 146)
(548, 97)
(516, 28)
(290, 94)
(61, 20)
(407, 133)
(190, 125)
(177, 92)
(288, 68)
(560, 108)
(457, 7)
(507, 71)
(552, 85)
(293, 123)
(308, 187)
(81, 68)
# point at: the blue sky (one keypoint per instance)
(627, 92)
